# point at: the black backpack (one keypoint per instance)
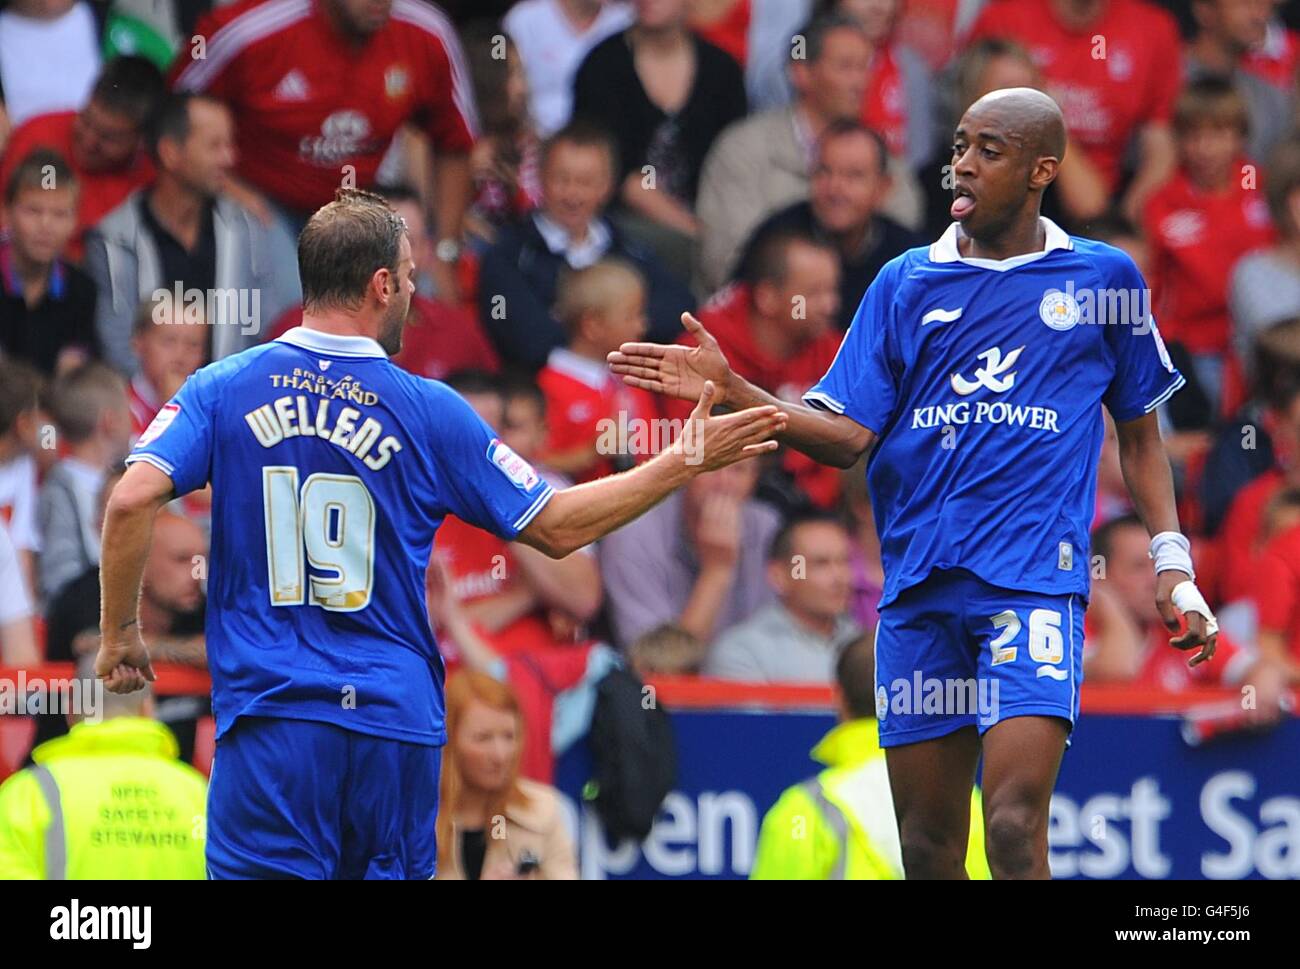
(634, 757)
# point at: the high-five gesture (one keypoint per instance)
(675, 371)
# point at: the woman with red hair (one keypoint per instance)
(492, 823)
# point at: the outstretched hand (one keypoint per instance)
(675, 370)
(709, 442)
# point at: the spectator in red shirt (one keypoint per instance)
(1125, 639)
(1112, 65)
(1200, 223)
(320, 87)
(103, 142)
(1276, 588)
(587, 406)
(777, 328)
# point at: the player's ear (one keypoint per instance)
(1044, 172)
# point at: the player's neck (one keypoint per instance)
(1020, 238)
(339, 323)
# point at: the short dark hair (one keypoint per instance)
(474, 382)
(769, 261)
(584, 134)
(846, 127)
(816, 30)
(32, 171)
(21, 386)
(855, 674)
(130, 86)
(783, 543)
(1103, 536)
(343, 245)
(172, 119)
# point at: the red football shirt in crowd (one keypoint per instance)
(1277, 59)
(439, 339)
(1195, 240)
(308, 100)
(1110, 78)
(1239, 536)
(581, 394)
(727, 317)
(99, 193)
(883, 109)
(1276, 589)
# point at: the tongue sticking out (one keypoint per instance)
(961, 207)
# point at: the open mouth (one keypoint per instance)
(963, 203)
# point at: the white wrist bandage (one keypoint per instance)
(1187, 598)
(1172, 552)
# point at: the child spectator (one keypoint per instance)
(169, 348)
(90, 409)
(1200, 223)
(47, 307)
(603, 307)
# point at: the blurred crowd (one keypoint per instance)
(576, 174)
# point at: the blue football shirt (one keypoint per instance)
(331, 470)
(984, 381)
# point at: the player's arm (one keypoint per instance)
(680, 371)
(1146, 473)
(123, 659)
(577, 516)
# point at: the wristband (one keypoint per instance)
(1187, 598)
(1172, 552)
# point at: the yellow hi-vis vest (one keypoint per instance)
(840, 824)
(109, 800)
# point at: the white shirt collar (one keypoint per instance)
(579, 255)
(945, 249)
(340, 346)
(593, 373)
